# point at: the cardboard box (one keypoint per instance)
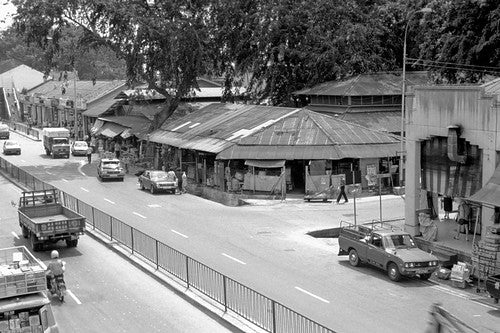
(4, 325)
(34, 320)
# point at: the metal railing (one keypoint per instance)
(249, 304)
(25, 129)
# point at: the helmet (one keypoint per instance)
(54, 254)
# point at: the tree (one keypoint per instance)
(163, 43)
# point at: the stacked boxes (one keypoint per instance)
(21, 322)
(15, 282)
(460, 274)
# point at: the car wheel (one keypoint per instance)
(71, 243)
(425, 276)
(142, 186)
(152, 189)
(25, 232)
(393, 272)
(354, 258)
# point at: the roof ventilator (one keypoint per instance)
(453, 135)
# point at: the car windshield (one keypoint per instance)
(111, 165)
(80, 144)
(60, 141)
(158, 175)
(398, 241)
(10, 143)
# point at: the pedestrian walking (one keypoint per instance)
(342, 191)
(117, 149)
(89, 154)
(184, 182)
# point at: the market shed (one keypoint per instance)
(321, 148)
(192, 142)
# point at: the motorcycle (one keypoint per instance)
(58, 287)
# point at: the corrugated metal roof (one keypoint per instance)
(309, 152)
(100, 106)
(310, 135)
(376, 84)
(492, 87)
(385, 121)
(86, 90)
(217, 126)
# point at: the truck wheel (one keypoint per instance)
(34, 245)
(71, 242)
(393, 272)
(25, 231)
(353, 258)
(425, 276)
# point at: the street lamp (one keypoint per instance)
(403, 90)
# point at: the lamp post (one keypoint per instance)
(403, 90)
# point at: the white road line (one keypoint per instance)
(64, 180)
(154, 206)
(23, 161)
(112, 202)
(82, 163)
(311, 294)
(232, 258)
(178, 233)
(84, 189)
(451, 292)
(48, 172)
(73, 296)
(135, 213)
(15, 235)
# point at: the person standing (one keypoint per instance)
(463, 218)
(447, 206)
(342, 191)
(89, 154)
(117, 149)
(184, 182)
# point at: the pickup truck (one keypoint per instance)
(391, 250)
(44, 220)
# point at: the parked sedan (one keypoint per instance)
(11, 147)
(79, 148)
(156, 181)
(110, 168)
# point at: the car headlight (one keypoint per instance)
(409, 264)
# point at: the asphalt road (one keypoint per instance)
(105, 292)
(267, 249)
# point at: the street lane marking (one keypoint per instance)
(154, 206)
(48, 172)
(109, 201)
(139, 215)
(15, 235)
(232, 258)
(64, 180)
(451, 292)
(312, 295)
(23, 161)
(178, 233)
(84, 189)
(73, 297)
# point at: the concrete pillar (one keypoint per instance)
(412, 186)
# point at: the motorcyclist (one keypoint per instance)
(55, 268)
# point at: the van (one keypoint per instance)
(4, 131)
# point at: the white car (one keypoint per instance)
(110, 168)
(11, 147)
(79, 148)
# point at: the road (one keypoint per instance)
(105, 292)
(267, 249)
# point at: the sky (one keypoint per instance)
(7, 9)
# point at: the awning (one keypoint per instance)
(265, 163)
(97, 125)
(127, 133)
(111, 130)
(98, 108)
(489, 194)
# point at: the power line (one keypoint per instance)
(453, 65)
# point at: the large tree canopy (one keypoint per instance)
(271, 47)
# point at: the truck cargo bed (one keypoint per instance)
(52, 218)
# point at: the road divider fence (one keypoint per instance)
(247, 303)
